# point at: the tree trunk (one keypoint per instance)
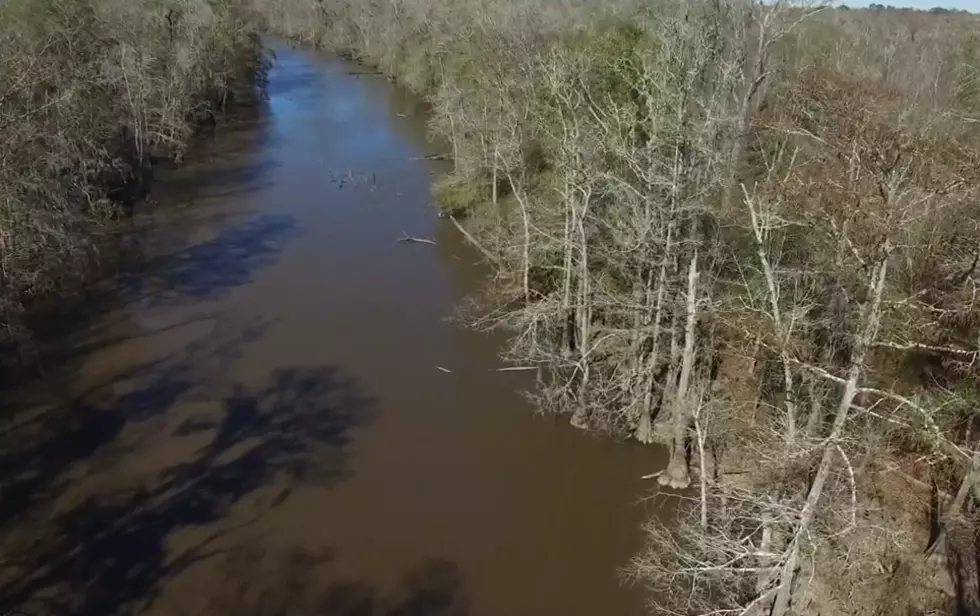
(677, 474)
(815, 419)
(644, 431)
(642, 287)
(644, 427)
(493, 176)
(568, 327)
(782, 329)
(526, 248)
(948, 519)
(701, 432)
(580, 418)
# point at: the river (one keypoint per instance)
(277, 415)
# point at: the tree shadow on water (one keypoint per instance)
(254, 583)
(211, 268)
(201, 271)
(108, 555)
(38, 449)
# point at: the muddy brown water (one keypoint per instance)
(260, 426)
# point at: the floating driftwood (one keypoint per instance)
(434, 157)
(408, 239)
(348, 178)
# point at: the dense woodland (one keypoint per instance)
(747, 231)
(91, 93)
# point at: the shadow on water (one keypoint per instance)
(206, 270)
(176, 276)
(37, 449)
(106, 551)
(108, 554)
(255, 583)
(202, 271)
(185, 275)
(220, 180)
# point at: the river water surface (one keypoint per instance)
(278, 418)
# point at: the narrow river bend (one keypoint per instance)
(261, 427)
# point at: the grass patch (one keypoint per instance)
(459, 195)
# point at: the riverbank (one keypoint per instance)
(729, 227)
(91, 95)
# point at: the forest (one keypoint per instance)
(92, 94)
(745, 231)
